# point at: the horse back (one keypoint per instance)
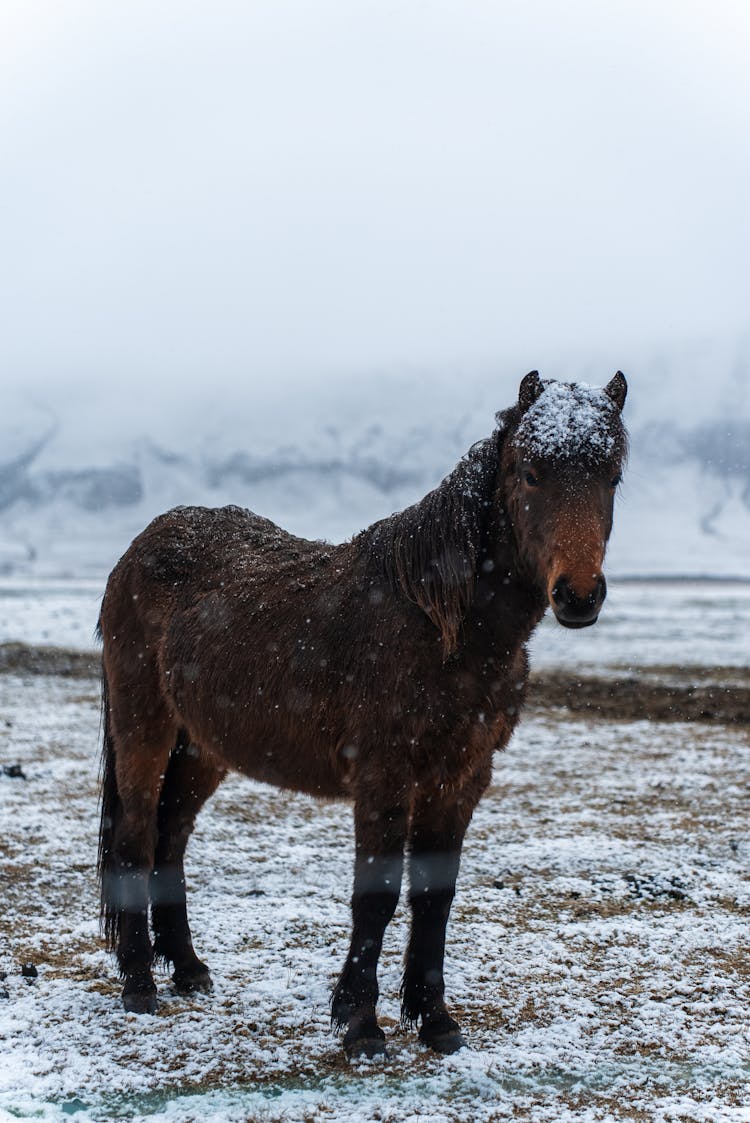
(228, 618)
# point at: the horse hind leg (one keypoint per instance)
(189, 781)
(139, 735)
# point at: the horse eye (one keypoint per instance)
(530, 479)
(615, 481)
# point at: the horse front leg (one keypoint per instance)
(380, 833)
(435, 842)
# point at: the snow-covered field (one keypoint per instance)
(598, 948)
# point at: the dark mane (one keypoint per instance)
(430, 551)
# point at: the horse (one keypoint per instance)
(386, 670)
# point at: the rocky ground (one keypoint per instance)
(598, 948)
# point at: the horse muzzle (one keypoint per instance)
(573, 610)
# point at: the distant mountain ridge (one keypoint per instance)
(73, 494)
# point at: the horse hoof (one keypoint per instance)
(138, 1002)
(364, 1037)
(445, 1043)
(365, 1047)
(199, 982)
(442, 1033)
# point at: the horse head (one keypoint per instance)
(562, 461)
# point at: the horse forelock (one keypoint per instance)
(572, 421)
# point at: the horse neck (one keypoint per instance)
(508, 601)
(430, 551)
(454, 551)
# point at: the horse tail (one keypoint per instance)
(110, 805)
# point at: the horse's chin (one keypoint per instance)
(576, 623)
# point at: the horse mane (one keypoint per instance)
(431, 550)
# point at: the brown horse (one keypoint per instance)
(386, 670)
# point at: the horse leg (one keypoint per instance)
(436, 837)
(379, 835)
(190, 779)
(134, 769)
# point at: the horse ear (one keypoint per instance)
(530, 389)
(617, 389)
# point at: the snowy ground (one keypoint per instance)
(598, 948)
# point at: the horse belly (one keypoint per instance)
(245, 731)
(273, 757)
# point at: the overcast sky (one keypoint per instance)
(238, 190)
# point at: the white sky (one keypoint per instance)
(244, 190)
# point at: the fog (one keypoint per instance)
(295, 256)
(281, 193)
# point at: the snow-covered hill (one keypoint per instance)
(83, 469)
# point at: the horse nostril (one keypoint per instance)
(561, 593)
(570, 605)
